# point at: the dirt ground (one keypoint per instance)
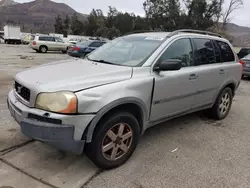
(191, 151)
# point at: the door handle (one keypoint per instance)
(193, 76)
(221, 71)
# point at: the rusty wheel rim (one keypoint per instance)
(117, 141)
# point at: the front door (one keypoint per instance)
(174, 90)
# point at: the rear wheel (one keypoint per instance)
(114, 141)
(223, 104)
(43, 49)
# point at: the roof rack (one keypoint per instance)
(194, 31)
(139, 31)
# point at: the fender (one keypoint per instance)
(223, 86)
(110, 106)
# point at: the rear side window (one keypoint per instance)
(227, 54)
(96, 44)
(51, 39)
(204, 52)
(42, 38)
(46, 38)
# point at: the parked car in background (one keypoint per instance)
(246, 65)
(103, 103)
(243, 52)
(83, 48)
(44, 43)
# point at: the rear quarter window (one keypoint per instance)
(227, 54)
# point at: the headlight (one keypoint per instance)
(61, 102)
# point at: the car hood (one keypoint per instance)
(72, 75)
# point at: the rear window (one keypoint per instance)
(243, 52)
(227, 54)
(96, 44)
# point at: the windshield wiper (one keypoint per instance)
(101, 61)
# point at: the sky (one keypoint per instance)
(239, 17)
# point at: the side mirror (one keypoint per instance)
(168, 65)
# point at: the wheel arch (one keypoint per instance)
(133, 105)
(231, 84)
(43, 45)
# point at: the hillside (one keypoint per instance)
(7, 3)
(38, 16)
(35, 16)
(240, 34)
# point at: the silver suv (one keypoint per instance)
(103, 104)
(44, 43)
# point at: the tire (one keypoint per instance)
(242, 77)
(222, 105)
(113, 123)
(43, 49)
(64, 51)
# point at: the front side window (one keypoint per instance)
(204, 53)
(181, 50)
(41, 38)
(127, 51)
(227, 54)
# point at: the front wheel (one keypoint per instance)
(223, 104)
(114, 141)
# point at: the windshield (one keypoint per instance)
(127, 51)
(84, 43)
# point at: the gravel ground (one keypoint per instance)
(191, 151)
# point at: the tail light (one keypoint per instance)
(76, 48)
(34, 43)
(242, 63)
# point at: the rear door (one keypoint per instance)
(230, 65)
(210, 71)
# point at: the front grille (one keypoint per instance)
(22, 91)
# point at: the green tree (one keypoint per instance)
(113, 33)
(112, 13)
(163, 14)
(66, 24)
(77, 27)
(95, 21)
(202, 14)
(59, 28)
(124, 22)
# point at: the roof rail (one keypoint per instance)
(139, 31)
(194, 31)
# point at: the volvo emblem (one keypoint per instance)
(19, 89)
